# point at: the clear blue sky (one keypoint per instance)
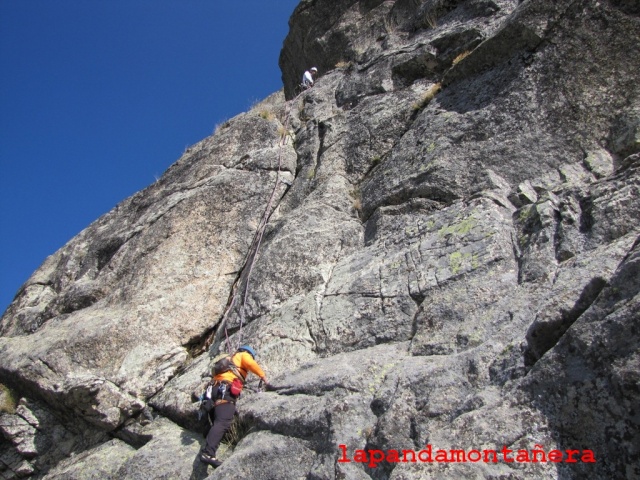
(98, 98)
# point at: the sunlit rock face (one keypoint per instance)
(450, 265)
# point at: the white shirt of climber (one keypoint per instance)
(307, 79)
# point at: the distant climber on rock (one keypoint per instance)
(308, 79)
(229, 374)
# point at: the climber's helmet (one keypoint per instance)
(248, 349)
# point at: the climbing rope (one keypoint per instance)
(257, 240)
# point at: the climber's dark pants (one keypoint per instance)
(222, 417)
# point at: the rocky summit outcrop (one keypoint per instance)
(450, 267)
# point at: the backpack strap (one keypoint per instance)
(236, 370)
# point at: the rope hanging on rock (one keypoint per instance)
(257, 239)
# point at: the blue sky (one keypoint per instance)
(98, 98)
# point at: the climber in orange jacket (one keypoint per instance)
(227, 387)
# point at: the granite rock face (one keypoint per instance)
(450, 262)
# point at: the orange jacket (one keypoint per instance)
(245, 363)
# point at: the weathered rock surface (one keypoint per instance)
(451, 260)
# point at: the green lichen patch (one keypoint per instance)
(459, 260)
(8, 401)
(459, 229)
